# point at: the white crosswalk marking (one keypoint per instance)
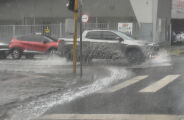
(110, 117)
(124, 84)
(159, 84)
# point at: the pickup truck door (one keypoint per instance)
(104, 44)
(111, 45)
(92, 41)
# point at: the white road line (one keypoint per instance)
(124, 84)
(110, 117)
(159, 84)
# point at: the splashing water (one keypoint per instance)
(162, 59)
(53, 64)
(36, 108)
(55, 60)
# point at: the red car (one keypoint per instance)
(32, 44)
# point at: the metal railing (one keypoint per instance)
(7, 32)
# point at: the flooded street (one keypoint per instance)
(91, 59)
(32, 87)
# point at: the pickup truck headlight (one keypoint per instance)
(152, 44)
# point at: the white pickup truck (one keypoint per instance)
(109, 44)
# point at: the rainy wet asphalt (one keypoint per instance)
(31, 88)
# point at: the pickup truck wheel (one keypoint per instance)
(69, 57)
(16, 53)
(3, 55)
(135, 56)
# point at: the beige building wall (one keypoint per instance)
(142, 10)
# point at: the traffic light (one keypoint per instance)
(71, 5)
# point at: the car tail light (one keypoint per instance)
(14, 39)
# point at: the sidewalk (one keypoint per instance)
(174, 50)
(177, 50)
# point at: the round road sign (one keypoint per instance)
(85, 18)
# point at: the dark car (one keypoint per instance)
(30, 45)
(4, 51)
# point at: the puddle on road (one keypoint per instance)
(36, 108)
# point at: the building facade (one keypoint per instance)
(148, 16)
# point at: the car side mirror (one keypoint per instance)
(119, 39)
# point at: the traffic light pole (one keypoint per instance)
(81, 57)
(75, 37)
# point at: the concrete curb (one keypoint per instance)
(174, 50)
(177, 52)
